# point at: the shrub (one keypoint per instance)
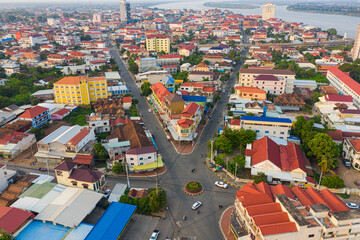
(332, 181)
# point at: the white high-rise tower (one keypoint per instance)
(355, 51)
(124, 11)
(268, 11)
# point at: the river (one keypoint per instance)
(343, 24)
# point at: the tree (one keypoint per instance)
(259, 177)
(100, 152)
(39, 133)
(157, 200)
(322, 147)
(6, 237)
(133, 67)
(333, 181)
(224, 144)
(332, 31)
(112, 61)
(145, 89)
(115, 68)
(118, 167)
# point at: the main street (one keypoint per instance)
(205, 224)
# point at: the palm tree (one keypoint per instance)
(325, 165)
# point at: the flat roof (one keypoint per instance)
(80, 232)
(38, 190)
(265, 119)
(113, 222)
(42, 231)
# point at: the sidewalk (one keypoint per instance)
(153, 173)
(225, 224)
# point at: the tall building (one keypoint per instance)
(124, 11)
(97, 18)
(80, 90)
(355, 51)
(268, 11)
(158, 43)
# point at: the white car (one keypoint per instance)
(221, 184)
(154, 235)
(352, 205)
(107, 193)
(149, 110)
(196, 205)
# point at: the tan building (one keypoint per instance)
(173, 104)
(158, 43)
(202, 67)
(355, 51)
(250, 93)
(69, 174)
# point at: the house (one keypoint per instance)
(187, 50)
(143, 159)
(112, 106)
(201, 67)
(11, 68)
(173, 104)
(13, 219)
(278, 162)
(159, 92)
(169, 83)
(267, 126)
(250, 93)
(270, 83)
(14, 144)
(247, 77)
(69, 174)
(193, 112)
(198, 76)
(64, 143)
(127, 101)
(171, 69)
(293, 102)
(36, 115)
(351, 151)
(100, 122)
(60, 114)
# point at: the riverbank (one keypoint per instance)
(230, 5)
(290, 8)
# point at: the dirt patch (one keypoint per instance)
(55, 125)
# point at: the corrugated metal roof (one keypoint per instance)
(26, 203)
(55, 134)
(112, 222)
(80, 232)
(116, 193)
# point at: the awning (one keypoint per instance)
(157, 164)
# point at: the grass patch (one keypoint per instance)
(344, 195)
(78, 117)
(194, 186)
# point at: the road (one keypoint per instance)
(203, 225)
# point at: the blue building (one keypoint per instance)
(36, 115)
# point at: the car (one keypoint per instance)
(149, 110)
(154, 235)
(221, 184)
(42, 169)
(107, 193)
(196, 205)
(352, 205)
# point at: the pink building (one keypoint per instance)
(270, 83)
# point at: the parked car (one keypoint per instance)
(107, 193)
(154, 235)
(352, 205)
(346, 163)
(42, 169)
(221, 184)
(196, 205)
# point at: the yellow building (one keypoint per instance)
(80, 90)
(158, 43)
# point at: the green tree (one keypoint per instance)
(157, 200)
(332, 31)
(100, 152)
(333, 181)
(224, 144)
(322, 147)
(133, 67)
(145, 89)
(259, 177)
(118, 167)
(39, 133)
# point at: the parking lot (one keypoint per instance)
(141, 228)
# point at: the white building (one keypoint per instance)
(6, 177)
(268, 11)
(141, 156)
(344, 84)
(351, 152)
(355, 51)
(12, 145)
(100, 123)
(267, 126)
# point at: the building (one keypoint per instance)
(158, 43)
(247, 77)
(198, 76)
(97, 18)
(187, 50)
(143, 159)
(125, 14)
(159, 92)
(278, 162)
(69, 174)
(270, 83)
(281, 213)
(267, 126)
(344, 84)
(64, 143)
(13, 219)
(355, 51)
(250, 93)
(14, 144)
(101, 123)
(173, 104)
(80, 90)
(36, 115)
(351, 151)
(292, 102)
(268, 11)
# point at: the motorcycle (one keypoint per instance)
(184, 218)
(220, 206)
(198, 212)
(193, 170)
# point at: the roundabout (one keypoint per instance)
(193, 188)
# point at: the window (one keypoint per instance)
(85, 186)
(257, 131)
(282, 133)
(266, 131)
(141, 158)
(149, 157)
(132, 159)
(74, 183)
(311, 235)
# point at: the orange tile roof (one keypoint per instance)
(160, 91)
(278, 228)
(33, 112)
(70, 80)
(250, 89)
(334, 200)
(356, 144)
(78, 137)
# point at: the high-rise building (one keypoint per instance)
(124, 11)
(268, 11)
(158, 43)
(80, 90)
(96, 18)
(355, 51)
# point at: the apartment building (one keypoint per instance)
(250, 93)
(267, 126)
(247, 77)
(158, 43)
(100, 122)
(270, 83)
(344, 84)
(80, 90)
(268, 11)
(351, 151)
(36, 115)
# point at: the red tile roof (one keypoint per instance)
(65, 166)
(141, 150)
(347, 80)
(33, 112)
(339, 98)
(304, 198)
(160, 91)
(282, 189)
(62, 111)
(250, 89)
(185, 123)
(78, 137)
(12, 218)
(356, 144)
(334, 200)
(190, 110)
(126, 99)
(235, 122)
(83, 174)
(83, 159)
(192, 84)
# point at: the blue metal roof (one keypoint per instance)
(113, 222)
(266, 119)
(42, 231)
(189, 98)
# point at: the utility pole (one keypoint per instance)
(156, 184)
(177, 233)
(235, 173)
(227, 167)
(212, 147)
(127, 174)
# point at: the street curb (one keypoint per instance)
(193, 194)
(120, 176)
(231, 184)
(222, 215)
